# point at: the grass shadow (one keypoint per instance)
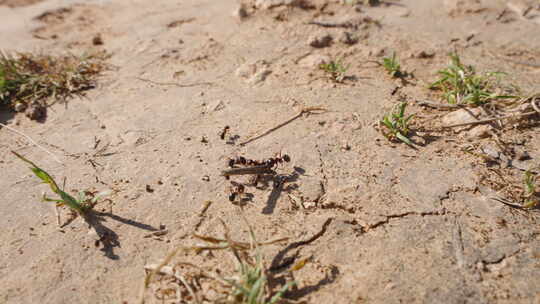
(281, 263)
(5, 114)
(107, 237)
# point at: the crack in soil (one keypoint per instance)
(324, 182)
(460, 249)
(402, 215)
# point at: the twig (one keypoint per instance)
(169, 271)
(156, 270)
(346, 24)
(157, 233)
(307, 110)
(183, 280)
(533, 104)
(173, 83)
(31, 141)
(57, 216)
(205, 207)
(504, 201)
(249, 170)
(488, 120)
(439, 105)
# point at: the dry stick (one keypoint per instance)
(302, 112)
(167, 270)
(439, 105)
(533, 104)
(183, 280)
(57, 216)
(31, 141)
(205, 207)
(488, 120)
(149, 277)
(264, 169)
(173, 83)
(332, 24)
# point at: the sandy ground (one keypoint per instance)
(385, 223)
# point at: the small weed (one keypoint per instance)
(80, 206)
(531, 195)
(27, 77)
(392, 66)
(336, 70)
(461, 84)
(248, 285)
(251, 285)
(397, 124)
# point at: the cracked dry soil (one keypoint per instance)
(381, 223)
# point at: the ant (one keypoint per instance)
(240, 160)
(271, 162)
(224, 132)
(236, 190)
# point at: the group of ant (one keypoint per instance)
(241, 165)
(269, 163)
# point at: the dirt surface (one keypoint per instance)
(385, 223)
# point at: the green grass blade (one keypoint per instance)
(281, 292)
(256, 289)
(403, 138)
(46, 178)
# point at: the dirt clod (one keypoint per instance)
(320, 40)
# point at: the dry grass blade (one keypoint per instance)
(27, 78)
(31, 141)
(241, 245)
(476, 122)
(308, 110)
(156, 270)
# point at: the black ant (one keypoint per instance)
(240, 160)
(271, 162)
(224, 132)
(236, 190)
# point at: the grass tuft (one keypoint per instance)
(392, 66)
(397, 124)
(248, 285)
(461, 84)
(26, 78)
(335, 70)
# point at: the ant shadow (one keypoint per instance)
(232, 139)
(278, 187)
(352, 79)
(244, 200)
(107, 237)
